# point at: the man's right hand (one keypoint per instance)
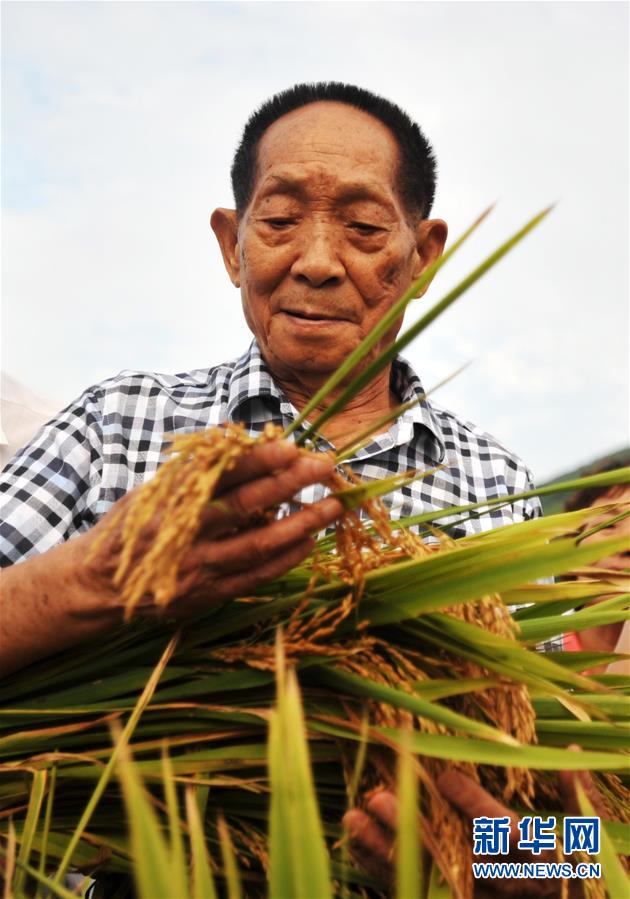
(236, 550)
(58, 598)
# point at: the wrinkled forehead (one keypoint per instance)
(314, 182)
(326, 142)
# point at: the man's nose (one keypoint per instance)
(318, 259)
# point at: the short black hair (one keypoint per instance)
(417, 171)
(584, 498)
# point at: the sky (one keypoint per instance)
(119, 121)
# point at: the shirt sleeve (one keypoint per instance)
(532, 507)
(523, 482)
(47, 489)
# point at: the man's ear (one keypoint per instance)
(431, 237)
(225, 227)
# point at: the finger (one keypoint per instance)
(370, 845)
(242, 584)
(198, 595)
(475, 802)
(253, 547)
(384, 807)
(259, 460)
(471, 798)
(237, 506)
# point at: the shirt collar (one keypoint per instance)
(252, 382)
(253, 396)
(407, 385)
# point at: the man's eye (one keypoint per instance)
(279, 222)
(364, 228)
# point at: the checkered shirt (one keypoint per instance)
(113, 437)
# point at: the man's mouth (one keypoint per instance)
(313, 316)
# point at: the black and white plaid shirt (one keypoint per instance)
(112, 438)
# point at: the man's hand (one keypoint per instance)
(475, 802)
(57, 599)
(372, 833)
(236, 549)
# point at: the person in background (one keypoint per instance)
(607, 637)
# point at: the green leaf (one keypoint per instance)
(605, 479)
(468, 749)
(498, 654)
(232, 877)
(352, 497)
(367, 689)
(153, 872)
(408, 838)
(443, 688)
(176, 848)
(47, 818)
(539, 757)
(590, 734)
(299, 863)
(619, 833)
(122, 743)
(38, 790)
(202, 885)
(541, 597)
(580, 661)
(465, 574)
(611, 705)
(359, 762)
(281, 874)
(605, 612)
(438, 885)
(55, 888)
(613, 874)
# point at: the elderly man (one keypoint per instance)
(333, 189)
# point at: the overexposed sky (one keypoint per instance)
(119, 121)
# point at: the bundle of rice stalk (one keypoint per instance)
(388, 635)
(375, 651)
(169, 856)
(475, 697)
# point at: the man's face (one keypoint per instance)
(325, 246)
